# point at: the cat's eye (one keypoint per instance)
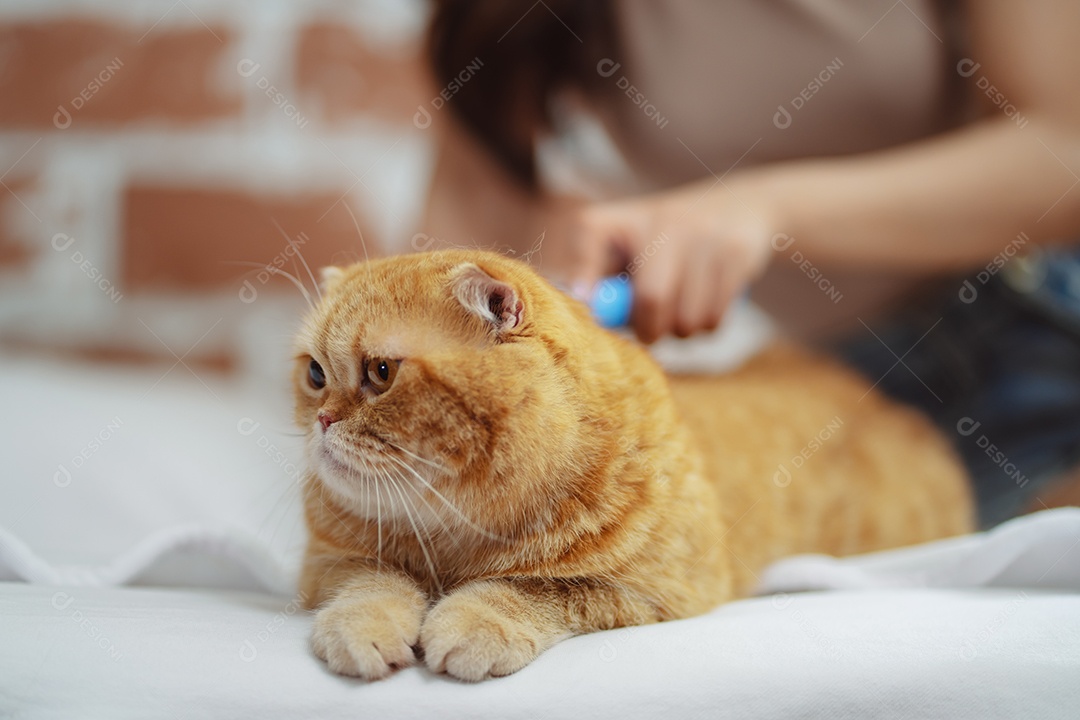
(380, 373)
(316, 376)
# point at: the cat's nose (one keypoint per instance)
(326, 419)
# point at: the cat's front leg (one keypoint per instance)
(368, 621)
(496, 627)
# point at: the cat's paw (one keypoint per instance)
(471, 640)
(366, 638)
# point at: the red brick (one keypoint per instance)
(340, 76)
(166, 74)
(12, 252)
(216, 361)
(187, 239)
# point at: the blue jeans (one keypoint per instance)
(994, 360)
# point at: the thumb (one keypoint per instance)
(595, 241)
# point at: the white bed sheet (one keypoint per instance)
(186, 493)
(147, 653)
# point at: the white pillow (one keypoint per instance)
(109, 464)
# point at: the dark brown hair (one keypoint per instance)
(528, 51)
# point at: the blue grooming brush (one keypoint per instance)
(611, 301)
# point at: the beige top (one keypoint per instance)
(720, 83)
(767, 80)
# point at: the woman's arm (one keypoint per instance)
(950, 202)
(957, 200)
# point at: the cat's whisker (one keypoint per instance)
(283, 525)
(296, 247)
(287, 493)
(356, 224)
(449, 531)
(416, 457)
(420, 519)
(406, 506)
(419, 516)
(378, 523)
(372, 480)
(453, 508)
(277, 271)
(367, 499)
(296, 271)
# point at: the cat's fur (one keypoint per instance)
(529, 476)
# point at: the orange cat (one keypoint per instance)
(490, 472)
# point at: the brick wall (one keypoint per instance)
(148, 150)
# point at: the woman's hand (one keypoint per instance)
(688, 252)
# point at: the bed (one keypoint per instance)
(150, 536)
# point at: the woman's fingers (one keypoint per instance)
(696, 292)
(685, 267)
(655, 281)
(595, 239)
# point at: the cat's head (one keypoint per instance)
(450, 384)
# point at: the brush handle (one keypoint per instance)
(611, 301)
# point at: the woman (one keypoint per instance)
(865, 168)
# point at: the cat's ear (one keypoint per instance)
(329, 277)
(493, 301)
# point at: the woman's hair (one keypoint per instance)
(529, 51)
